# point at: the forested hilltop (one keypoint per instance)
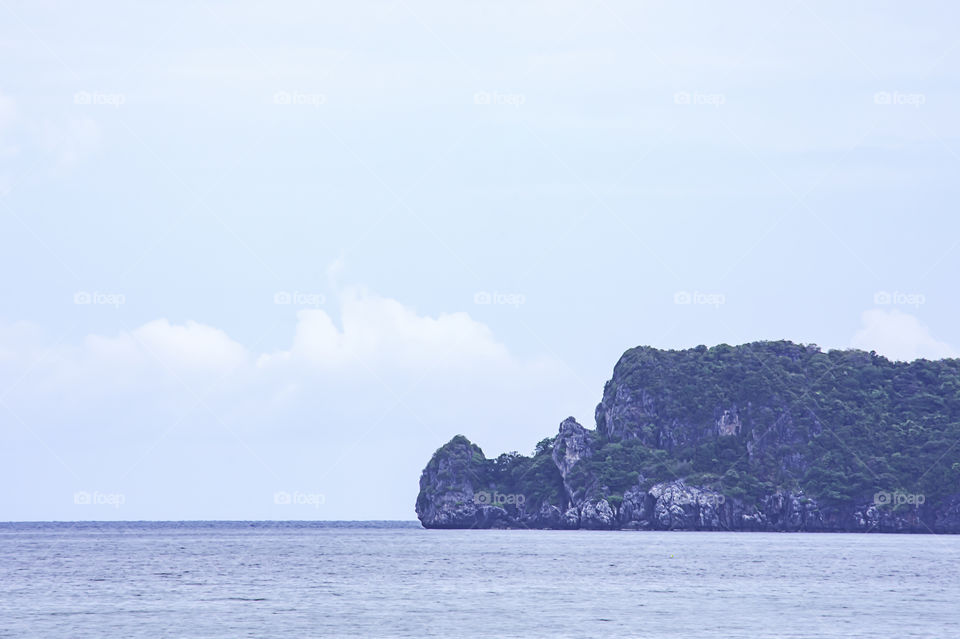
(762, 436)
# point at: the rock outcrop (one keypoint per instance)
(734, 451)
(573, 445)
(451, 492)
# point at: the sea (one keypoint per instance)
(395, 579)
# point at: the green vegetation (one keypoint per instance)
(840, 425)
(751, 419)
(536, 477)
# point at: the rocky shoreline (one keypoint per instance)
(672, 505)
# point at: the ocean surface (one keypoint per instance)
(394, 579)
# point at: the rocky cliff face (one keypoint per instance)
(643, 467)
(573, 444)
(450, 492)
(450, 500)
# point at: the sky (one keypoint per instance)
(260, 260)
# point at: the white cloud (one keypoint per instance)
(378, 340)
(380, 333)
(187, 349)
(147, 361)
(899, 336)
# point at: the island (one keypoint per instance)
(767, 436)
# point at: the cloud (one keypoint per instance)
(378, 339)
(899, 336)
(192, 348)
(380, 333)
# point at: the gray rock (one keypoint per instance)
(573, 444)
(571, 519)
(597, 515)
(549, 516)
(681, 507)
(450, 494)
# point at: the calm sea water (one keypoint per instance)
(268, 579)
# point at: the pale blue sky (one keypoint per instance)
(789, 168)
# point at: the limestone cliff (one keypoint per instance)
(771, 436)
